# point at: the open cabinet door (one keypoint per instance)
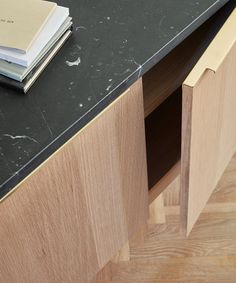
(209, 123)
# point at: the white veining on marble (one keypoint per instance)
(109, 87)
(74, 63)
(123, 73)
(137, 64)
(80, 27)
(20, 137)
(47, 125)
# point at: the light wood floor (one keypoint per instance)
(207, 256)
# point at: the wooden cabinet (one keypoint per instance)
(74, 213)
(209, 122)
(208, 111)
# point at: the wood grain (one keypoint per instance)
(179, 248)
(157, 211)
(69, 218)
(208, 255)
(209, 128)
(175, 270)
(171, 194)
(104, 275)
(123, 254)
(163, 79)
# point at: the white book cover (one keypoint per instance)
(47, 32)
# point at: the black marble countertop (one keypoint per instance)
(113, 44)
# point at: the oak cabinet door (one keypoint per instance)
(74, 213)
(209, 122)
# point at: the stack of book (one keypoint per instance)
(31, 33)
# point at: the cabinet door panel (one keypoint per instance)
(74, 213)
(209, 122)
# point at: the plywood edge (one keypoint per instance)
(216, 52)
(185, 158)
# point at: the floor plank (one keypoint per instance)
(208, 255)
